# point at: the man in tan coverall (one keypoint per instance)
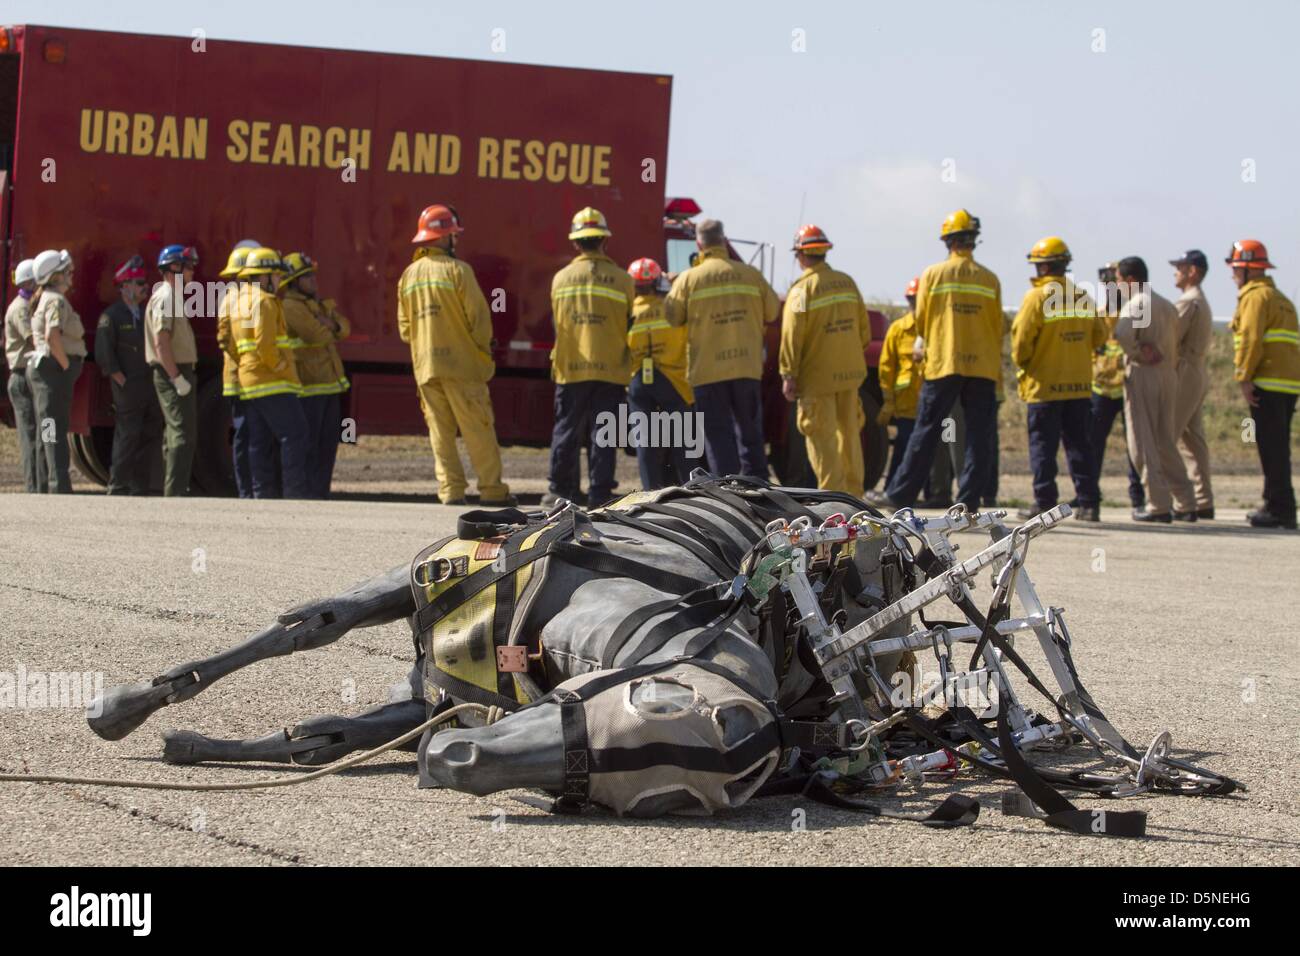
(1147, 331)
(1195, 329)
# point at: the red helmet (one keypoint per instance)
(912, 287)
(133, 268)
(1249, 254)
(810, 238)
(644, 271)
(437, 221)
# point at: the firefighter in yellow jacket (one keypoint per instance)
(268, 382)
(658, 354)
(960, 327)
(1108, 384)
(900, 379)
(230, 367)
(1053, 339)
(825, 331)
(442, 313)
(315, 325)
(591, 302)
(725, 305)
(1266, 360)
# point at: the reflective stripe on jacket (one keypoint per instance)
(442, 313)
(319, 367)
(825, 330)
(1053, 339)
(1108, 363)
(724, 305)
(959, 315)
(591, 301)
(1266, 338)
(652, 337)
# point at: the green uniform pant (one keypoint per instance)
(52, 396)
(180, 431)
(31, 454)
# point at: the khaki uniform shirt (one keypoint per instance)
(165, 312)
(55, 312)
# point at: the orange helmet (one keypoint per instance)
(644, 271)
(1249, 254)
(810, 238)
(437, 221)
(912, 287)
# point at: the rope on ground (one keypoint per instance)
(490, 715)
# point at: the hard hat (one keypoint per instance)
(810, 238)
(1050, 249)
(130, 270)
(644, 271)
(912, 287)
(248, 244)
(49, 263)
(589, 222)
(178, 253)
(238, 257)
(298, 264)
(261, 261)
(959, 222)
(437, 221)
(25, 271)
(1249, 254)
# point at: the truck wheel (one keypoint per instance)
(790, 459)
(875, 441)
(92, 453)
(214, 469)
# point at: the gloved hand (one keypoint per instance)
(886, 414)
(182, 385)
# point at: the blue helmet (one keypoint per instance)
(177, 253)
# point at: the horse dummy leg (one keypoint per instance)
(315, 741)
(306, 627)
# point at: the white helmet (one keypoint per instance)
(25, 272)
(50, 262)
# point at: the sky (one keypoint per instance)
(1126, 129)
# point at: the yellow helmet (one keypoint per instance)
(959, 222)
(236, 262)
(261, 262)
(589, 222)
(1050, 249)
(298, 264)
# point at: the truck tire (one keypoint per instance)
(92, 454)
(791, 457)
(214, 468)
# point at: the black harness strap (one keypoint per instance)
(747, 530)
(681, 519)
(709, 558)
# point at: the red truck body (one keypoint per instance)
(113, 144)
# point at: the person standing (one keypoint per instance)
(1266, 365)
(18, 352)
(59, 350)
(591, 301)
(230, 366)
(960, 328)
(268, 382)
(1053, 338)
(825, 330)
(900, 379)
(1147, 331)
(1108, 384)
(119, 353)
(170, 350)
(724, 304)
(658, 354)
(442, 313)
(314, 327)
(1195, 332)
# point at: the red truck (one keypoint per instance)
(113, 144)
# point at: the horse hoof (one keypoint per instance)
(124, 708)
